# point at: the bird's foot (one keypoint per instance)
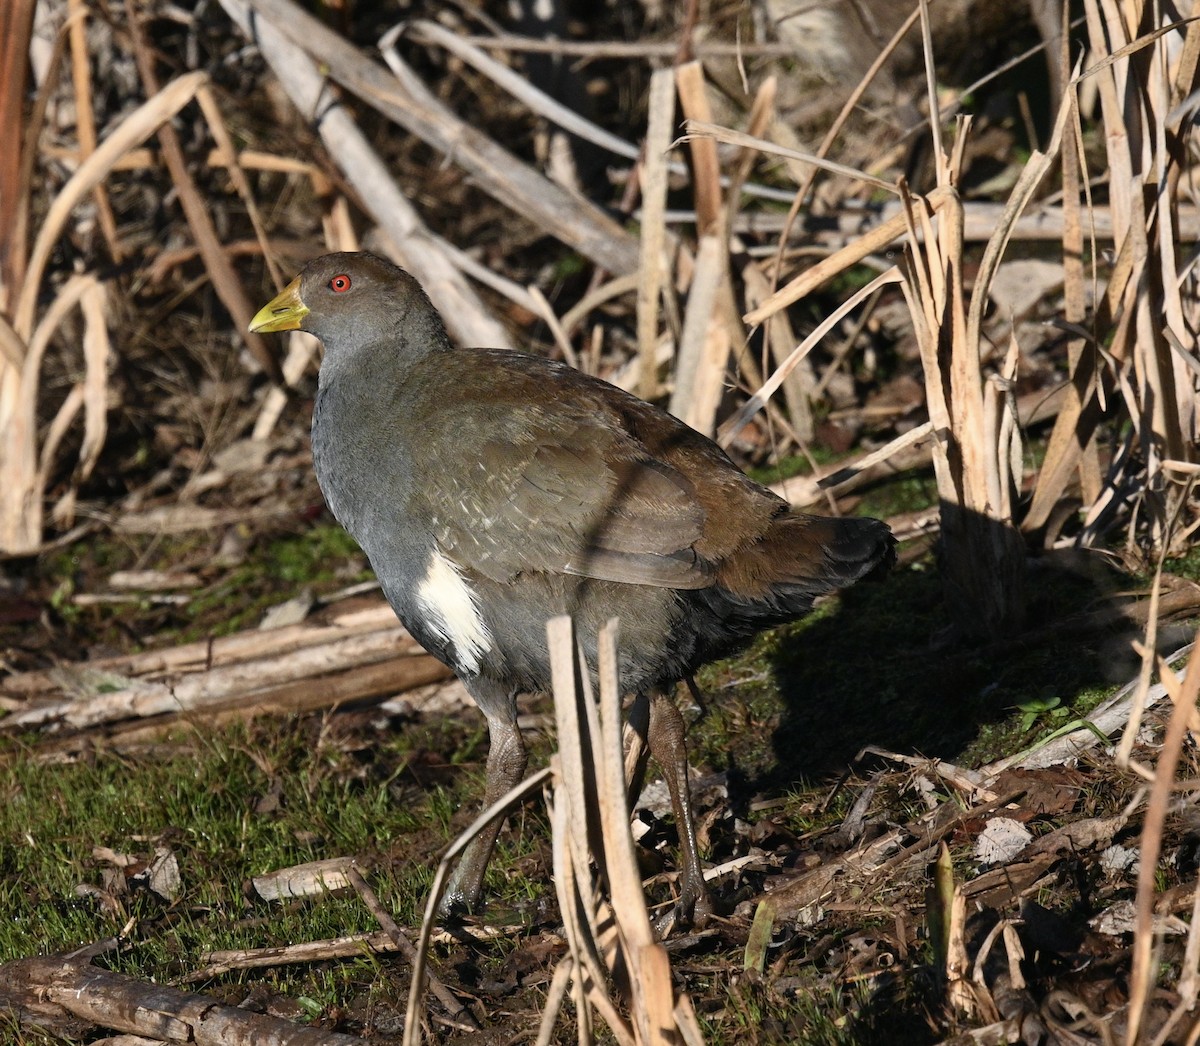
(457, 904)
(692, 911)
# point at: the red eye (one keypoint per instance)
(340, 283)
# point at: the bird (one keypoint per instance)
(492, 490)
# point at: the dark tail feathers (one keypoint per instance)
(798, 559)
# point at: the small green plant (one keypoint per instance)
(1033, 709)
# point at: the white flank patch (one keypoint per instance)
(453, 611)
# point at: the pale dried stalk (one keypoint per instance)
(23, 471)
(1142, 973)
(1075, 184)
(659, 1015)
(838, 262)
(693, 98)
(731, 427)
(591, 828)
(1145, 293)
(228, 158)
(543, 308)
(574, 795)
(693, 359)
(699, 128)
(21, 486)
(652, 264)
(935, 122)
(1149, 655)
(91, 394)
(224, 279)
(916, 289)
(780, 338)
(800, 387)
(983, 568)
(85, 120)
(1043, 221)
(983, 554)
(712, 328)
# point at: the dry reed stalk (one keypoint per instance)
(1044, 221)
(947, 905)
(1075, 186)
(227, 157)
(224, 278)
(983, 556)
(977, 452)
(977, 462)
(1141, 339)
(1184, 700)
(130, 133)
(16, 26)
(607, 925)
(90, 395)
(85, 120)
(710, 328)
(779, 337)
(653, 267)
(600, 891)
(693, 360)
(733, 425)
(24, 469)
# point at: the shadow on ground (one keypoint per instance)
(884, 666)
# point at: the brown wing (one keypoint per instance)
(559, 487)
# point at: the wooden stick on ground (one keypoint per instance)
(363, 655)
(114, 1000)
(454, 1006)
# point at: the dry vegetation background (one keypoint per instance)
(981, 325)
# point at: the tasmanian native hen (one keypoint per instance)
(493, 490)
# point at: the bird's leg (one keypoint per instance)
(505, 768)
(666, 739)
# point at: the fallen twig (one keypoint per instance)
(114, 1000)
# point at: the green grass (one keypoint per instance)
(321, 559)
(201, 801)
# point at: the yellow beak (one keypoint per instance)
(284, 312)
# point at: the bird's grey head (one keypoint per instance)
(352, 300)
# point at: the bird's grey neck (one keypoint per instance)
(370, 362)
(355, 408)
